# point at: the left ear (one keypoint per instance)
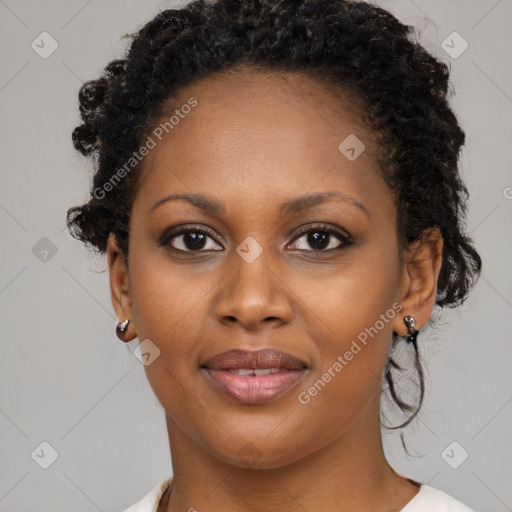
(422, 264)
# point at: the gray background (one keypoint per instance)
(67, 380)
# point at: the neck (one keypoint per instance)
(349, 473)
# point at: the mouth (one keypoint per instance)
(253, 377)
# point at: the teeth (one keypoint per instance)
(242, 371)
(257, 371)
(266, 371)
(262, 371)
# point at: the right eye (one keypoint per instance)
(190, 239)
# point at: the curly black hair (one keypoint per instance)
(356, 47)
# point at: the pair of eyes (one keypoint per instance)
(194, 239)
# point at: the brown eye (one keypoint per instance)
(191, 240)
(321, 238)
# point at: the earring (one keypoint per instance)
(412, 332)
(121, 328)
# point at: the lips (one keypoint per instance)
(254, 377)
(260, 359)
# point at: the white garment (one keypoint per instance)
(150, 502)
(428, 499)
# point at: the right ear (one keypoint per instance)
(120, 286)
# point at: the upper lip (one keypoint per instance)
(264, 358)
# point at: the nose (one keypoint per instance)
(254, 295)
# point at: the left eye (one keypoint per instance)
(321, 239)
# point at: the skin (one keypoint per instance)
(253, 141)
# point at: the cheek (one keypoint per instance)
(357, 306)
(352, 297)
(164, 296)
(347, 382)
(170, 308)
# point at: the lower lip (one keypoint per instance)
(254, 389)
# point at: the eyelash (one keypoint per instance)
(322, 228)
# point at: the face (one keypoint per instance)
(318, 279)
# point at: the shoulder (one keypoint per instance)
(149, 503)
(429, 499)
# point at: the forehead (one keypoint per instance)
(254, 133)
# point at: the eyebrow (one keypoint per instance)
(294, 205)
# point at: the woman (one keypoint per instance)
(278, 195)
